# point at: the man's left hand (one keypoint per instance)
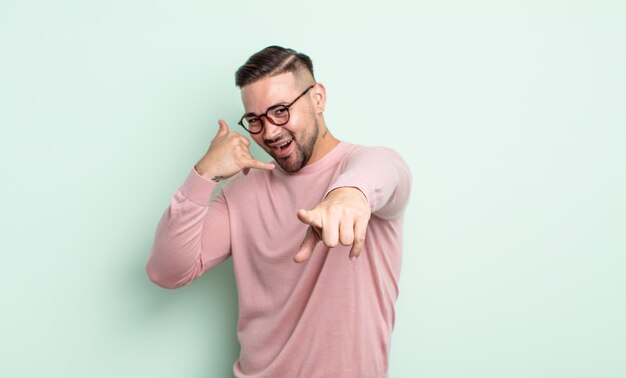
(342, 217)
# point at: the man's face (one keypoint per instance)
(291, 144)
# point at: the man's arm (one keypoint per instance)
(193, 234)
(376, 181)
(382, 175)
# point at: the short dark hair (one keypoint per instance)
(272, 60)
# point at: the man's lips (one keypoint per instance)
(282, 148)
(281, 144)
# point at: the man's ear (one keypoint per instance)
(319, 98)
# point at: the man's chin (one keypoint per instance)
(288, 166)
(289, 163)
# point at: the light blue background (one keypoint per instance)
(511, 115)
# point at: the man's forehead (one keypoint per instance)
(272, 90)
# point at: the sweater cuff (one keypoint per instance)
(370, 194)
(198, 189)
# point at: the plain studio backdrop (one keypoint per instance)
(511, 115)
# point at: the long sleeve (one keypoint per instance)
(382, 175)
(192, 236)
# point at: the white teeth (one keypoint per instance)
(282, 146)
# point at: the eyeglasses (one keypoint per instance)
(278, 115)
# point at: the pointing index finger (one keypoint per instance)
(311, 217)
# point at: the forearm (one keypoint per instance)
(383, 177)
(190, 237)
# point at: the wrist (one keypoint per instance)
(206, 174)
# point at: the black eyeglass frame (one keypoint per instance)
(271, 108)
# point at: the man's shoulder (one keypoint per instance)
(353, 148)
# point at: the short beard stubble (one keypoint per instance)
(302, 152)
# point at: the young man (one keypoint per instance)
(315, 235)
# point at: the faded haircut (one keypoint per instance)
(271, 61)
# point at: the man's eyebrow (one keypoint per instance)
(273, 106)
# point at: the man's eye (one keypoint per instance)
(252, 120)
(280, 111)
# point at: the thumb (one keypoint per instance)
(223, 127)
(308, 245)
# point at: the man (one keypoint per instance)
(315, 235)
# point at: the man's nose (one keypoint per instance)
(270, 131)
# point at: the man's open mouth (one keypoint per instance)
(283, 145)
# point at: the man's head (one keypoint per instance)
(284, 107)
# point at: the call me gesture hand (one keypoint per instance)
(228, 154)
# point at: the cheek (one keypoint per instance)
(296, 124)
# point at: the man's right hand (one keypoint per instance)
(228, 154)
